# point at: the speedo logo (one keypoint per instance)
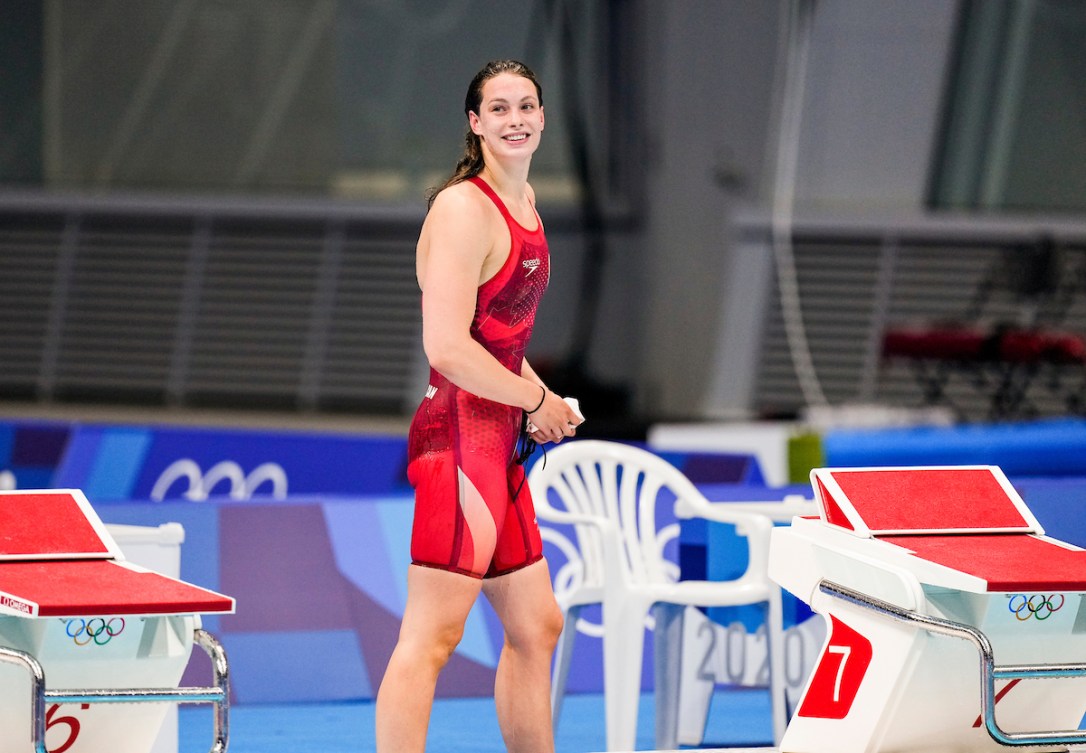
(531, 265)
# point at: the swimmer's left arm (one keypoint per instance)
(528, 373)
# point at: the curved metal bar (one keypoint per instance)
(37, 695)
(221, 670)
(219, 694)
(136, 695)
(988, 671)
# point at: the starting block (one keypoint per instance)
(927, 576)
(92, 647)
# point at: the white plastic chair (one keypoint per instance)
(609, 492)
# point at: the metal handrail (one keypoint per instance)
(989, 672)
(219, 694)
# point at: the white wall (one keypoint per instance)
(709, 72)
(874, 85)
(874, 90)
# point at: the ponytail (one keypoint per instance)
(470, 165)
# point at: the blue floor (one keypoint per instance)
(739, 718)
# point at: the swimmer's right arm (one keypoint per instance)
(453, 248)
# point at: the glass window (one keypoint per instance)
(1014, 134)
(360, 99)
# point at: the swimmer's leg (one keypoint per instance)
(438, 603)
(524, 600)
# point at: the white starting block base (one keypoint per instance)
(947, 606)
(117, 652)
(157, 548)
(93, 646)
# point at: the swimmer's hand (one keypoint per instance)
(575, 407)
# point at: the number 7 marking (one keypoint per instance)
(832, 690)
(845, 652)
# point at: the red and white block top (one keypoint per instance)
(966, 518)
(58, 560)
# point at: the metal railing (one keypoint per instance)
(218, 694)
(989, 672)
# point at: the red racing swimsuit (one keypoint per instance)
(473, 511)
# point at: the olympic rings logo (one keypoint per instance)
(97, 630)
(1038, 606)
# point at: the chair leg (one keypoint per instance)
(562, 654)
(623, 644)
(777, 685)
(667, 663)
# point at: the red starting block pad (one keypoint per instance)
(97, 626)
(92, 588)
(52, 525)
(927, 576)
(58, 560)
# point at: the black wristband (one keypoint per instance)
(541, 399)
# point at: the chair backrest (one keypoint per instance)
(618, 486)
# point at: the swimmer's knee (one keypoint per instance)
(540, 633)
(444, 644)
(552, 625)
(432, 647)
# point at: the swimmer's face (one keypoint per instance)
(510, 117)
